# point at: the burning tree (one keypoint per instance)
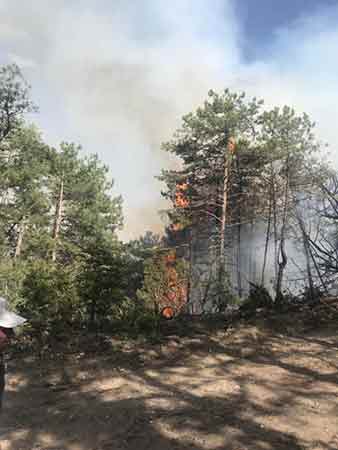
(237, 196)
(206, 144)
(165, 282)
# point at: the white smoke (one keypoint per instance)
(117, 76)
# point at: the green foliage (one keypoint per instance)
(135, 254)
(24, 169)
(148, 323)
(202, 146)
(201, 142)
(259, 297)
(103, 282)
(156, 283)
(12, 275)
(89, 211)
(225, 294)
(275, 167)
(14, 99)
(50, 295)
(55, 203)
(165, 282)
(61, 263)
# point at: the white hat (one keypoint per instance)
(9, 319)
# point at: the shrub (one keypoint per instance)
(50, 296)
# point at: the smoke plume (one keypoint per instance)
(117, 76)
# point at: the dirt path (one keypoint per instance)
(250, 391)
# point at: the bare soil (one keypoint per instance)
(203, 387)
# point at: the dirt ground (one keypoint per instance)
(242, 389)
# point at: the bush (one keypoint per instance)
(12, 276)
(165, 283)
(259, 297)
(147, 322)
(50, 297)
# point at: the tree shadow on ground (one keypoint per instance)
(270, 392)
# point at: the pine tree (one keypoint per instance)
(24, 170)
(294, 173)
(203, 145)
(14, 99)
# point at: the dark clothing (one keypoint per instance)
(2, 378)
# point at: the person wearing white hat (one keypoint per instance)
(8, 321)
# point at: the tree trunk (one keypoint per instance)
(251, 275)
(58, 219)
(281, 266)
(190, 267)
(92, 315)
(317, 269)
(239, 231)
(239, 263)
(281, 252)
(266, 242)
(19, 241)
(308, 267)
(274, 210)
(223, 219)
(307, 255)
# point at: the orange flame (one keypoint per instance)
(181, 200)
(232, 145)
(170, 258)
(168, 312)
(176, 227)
(176, 295)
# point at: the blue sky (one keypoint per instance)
(261, 20)
(116, 76)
